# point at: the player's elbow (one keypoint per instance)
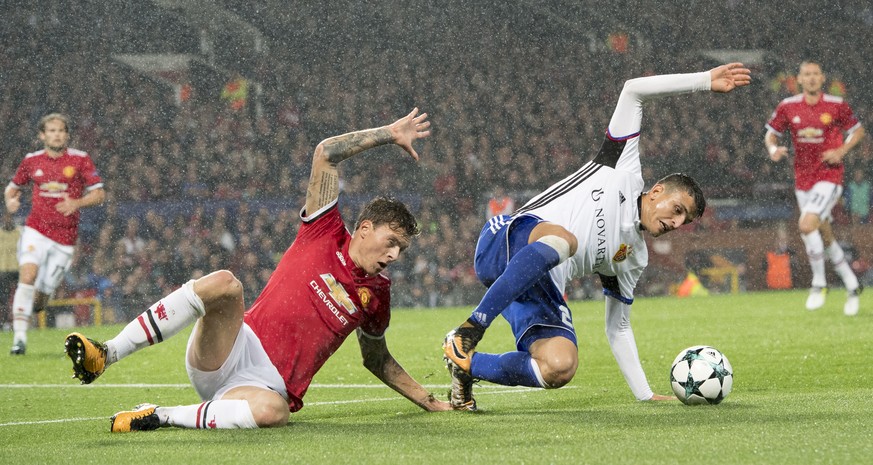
(99, 196)
(633, 86)
(325, 153)
(375, 363)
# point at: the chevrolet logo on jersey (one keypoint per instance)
(338, 293)
(810, 135)
(52, 189)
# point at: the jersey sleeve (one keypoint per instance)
(621, 287)
(847, 120)
(326, 221)
(620, 149)
(624, 348)
(22, 174)
(628, 115)
(778, 123)
(380, 316)
(91, 176)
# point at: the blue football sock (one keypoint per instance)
(530, 264)
(509, 369)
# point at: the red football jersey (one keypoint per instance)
(72, 174)
(315, 298)
(814, 129)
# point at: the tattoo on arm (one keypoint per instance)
(342, 147)
(329, 188)
(324, 180)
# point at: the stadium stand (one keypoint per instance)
(515, 102)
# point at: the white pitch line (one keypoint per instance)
(500, 390)
(44, 422)
(183, 386)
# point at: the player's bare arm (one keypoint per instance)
(382, 364)
(726, 78)
(324, 180)
(12, 197)
(776, 151)
(835, 156)
(68, 205)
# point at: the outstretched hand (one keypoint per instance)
(408, 129)
(726, 78)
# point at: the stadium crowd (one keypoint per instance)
(191, 190)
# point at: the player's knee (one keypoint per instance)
(807, 227)
(219, 285)
(27, 274)
(558, 370)
(808, 223)
(548, 229)
(269, 410)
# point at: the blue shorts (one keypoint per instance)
(541, 311)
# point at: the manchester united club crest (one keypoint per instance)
(826, 118)
(623, 251)
(365, 296)
(69, 171)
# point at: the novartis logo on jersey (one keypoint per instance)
(600, 224)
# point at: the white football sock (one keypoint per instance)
(161, 321)
(224, 414)
(22, 309)
(838, 258)
(815, 252)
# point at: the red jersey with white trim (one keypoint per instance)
(71, 174)
(814, 129)
(315, 298)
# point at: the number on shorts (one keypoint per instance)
(565, 316)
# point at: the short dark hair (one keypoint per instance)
(390, 211)
(810, 62)
(686, 183)
(51, 117)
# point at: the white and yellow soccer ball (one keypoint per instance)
(701, 375)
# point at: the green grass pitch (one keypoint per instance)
(802, 394)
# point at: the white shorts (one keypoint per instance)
(819, 200)
(246, 365)
(53, 259)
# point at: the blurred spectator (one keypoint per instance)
(9, 235)
(858, 197)
(497, 99)
(500, 203)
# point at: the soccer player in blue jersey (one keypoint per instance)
(590, 222)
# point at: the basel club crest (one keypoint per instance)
(623, 251)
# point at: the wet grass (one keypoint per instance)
(801, 394)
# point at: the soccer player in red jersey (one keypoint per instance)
(64, 180)
(251, 368)
(817, 121)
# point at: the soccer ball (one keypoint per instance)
(701, 375)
